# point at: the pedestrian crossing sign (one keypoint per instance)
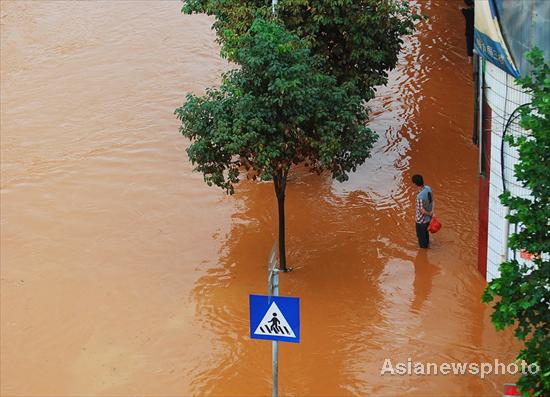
(275, 318)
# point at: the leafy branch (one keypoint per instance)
(522, 291)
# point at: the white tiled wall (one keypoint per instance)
(503, 96)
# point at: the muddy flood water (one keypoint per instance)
(123, 274)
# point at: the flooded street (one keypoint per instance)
(123, 274)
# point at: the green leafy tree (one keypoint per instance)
(522, 291)
(357, 39)
(277, 110)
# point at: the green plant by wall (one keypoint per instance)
(521, 294)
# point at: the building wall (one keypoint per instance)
(503, 97)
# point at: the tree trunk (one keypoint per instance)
(279, 181)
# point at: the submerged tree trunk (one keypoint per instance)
(279, 181)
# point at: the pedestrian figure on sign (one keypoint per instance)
(424, 211)
(275, 324)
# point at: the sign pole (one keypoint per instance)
(275, 344)
(273, 287)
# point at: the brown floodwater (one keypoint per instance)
(123, 274)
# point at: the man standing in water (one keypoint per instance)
(424, 211)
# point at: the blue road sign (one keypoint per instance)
(275, 318)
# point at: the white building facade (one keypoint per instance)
(504, 31)
(503, 97)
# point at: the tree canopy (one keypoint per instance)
(356, 39)
(299, 94)
(278, 109)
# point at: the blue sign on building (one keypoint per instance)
(488, 40)
(275, 318)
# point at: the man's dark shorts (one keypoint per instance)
(423, 235)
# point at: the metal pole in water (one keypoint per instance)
(273, 288)
(480, 116)
(275, 344)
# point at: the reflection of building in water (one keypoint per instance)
(504, 31)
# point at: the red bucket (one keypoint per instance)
(434, 225)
